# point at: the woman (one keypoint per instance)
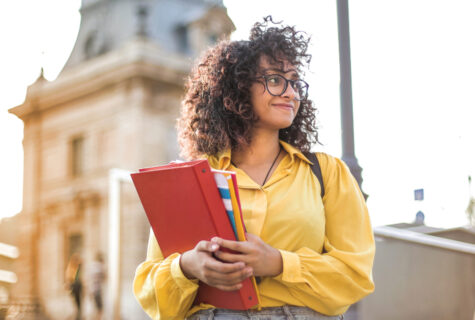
(246, 110)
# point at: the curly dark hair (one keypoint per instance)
(217, 113)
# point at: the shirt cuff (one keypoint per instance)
(181, 280)
(292, 271)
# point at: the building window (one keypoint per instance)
(182, 39)
(77, 156)
(94, 45)
(212, 39)
(74, 244)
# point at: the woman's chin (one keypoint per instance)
(277, 126)
(285, 123)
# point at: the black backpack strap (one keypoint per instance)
(317, 171)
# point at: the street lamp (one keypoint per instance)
(346, 100)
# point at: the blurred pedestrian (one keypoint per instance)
(97, 276)
(73, 281)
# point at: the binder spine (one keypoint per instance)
(216, 208)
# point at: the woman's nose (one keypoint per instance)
(289, 92)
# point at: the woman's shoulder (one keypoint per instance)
(331, 165)
(327, 160)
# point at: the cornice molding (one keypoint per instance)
(136, 59)
(77, 199)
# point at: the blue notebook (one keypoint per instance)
(223, 188)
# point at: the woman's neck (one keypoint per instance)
(263, 148)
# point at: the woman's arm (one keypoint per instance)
(166, 288)
(331, 281)
(160, 286)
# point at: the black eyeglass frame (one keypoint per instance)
(292, 84)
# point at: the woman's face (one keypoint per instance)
(274, 112)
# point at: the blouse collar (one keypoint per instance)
(222, 161)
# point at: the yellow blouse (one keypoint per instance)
(327, 248)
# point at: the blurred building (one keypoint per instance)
(8, 278)
(114, 105)
(8, 254)
(422, 273)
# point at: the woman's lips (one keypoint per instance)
(286, 106)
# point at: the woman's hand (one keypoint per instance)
(199, 263)
(255, 253)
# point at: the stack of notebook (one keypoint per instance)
(188, 202)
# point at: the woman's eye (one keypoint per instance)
(274, 80)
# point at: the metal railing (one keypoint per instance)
(424, 239)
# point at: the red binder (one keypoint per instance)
(183, 206)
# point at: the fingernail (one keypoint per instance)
(214, 247)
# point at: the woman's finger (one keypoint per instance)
(207, 246)
(231, 257)
(229, 288)
(223, 267)
(239, 246)
(229, 279)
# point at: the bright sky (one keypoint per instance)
(413, 85)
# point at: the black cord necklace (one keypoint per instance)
(272, 166)
(270, 169)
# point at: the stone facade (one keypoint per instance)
(115, 110)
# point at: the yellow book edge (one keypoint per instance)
(240, 228)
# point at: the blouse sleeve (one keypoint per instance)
(342, 274)
(160, 286)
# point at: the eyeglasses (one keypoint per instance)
(276, 85)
